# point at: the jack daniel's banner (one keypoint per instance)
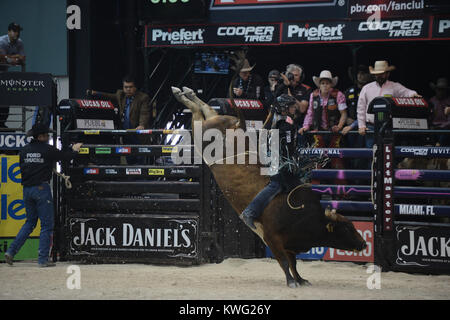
(423, 247)
(134, 237)
(26, 89)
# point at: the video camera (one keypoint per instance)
(289, 75)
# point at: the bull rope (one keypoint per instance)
(67, 182)
(289, 195)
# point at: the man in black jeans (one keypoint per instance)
(36, 165)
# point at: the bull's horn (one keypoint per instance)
(175, 90)
(331, 214)
(188, 92)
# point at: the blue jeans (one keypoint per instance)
(38, 204)
(262, 199)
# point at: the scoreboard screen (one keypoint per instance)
(172, 11)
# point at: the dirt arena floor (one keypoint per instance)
(233, 279)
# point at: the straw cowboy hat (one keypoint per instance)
(246, 66)
(381, 67)
(325, 74)
(441, 83)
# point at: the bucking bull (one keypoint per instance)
(286, 229)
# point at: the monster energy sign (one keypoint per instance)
(26, 88)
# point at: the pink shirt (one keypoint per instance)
(340, 99)
(373, 90)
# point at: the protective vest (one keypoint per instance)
(332, 112)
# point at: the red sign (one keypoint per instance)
(410, 102)
(97, 104)
(366, 230)
(247, 104)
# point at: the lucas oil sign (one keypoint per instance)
(134, 237)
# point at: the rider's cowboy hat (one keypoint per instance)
(325, 74)
(246, 67)
(441, 83)
(381, 67)
(38, 129)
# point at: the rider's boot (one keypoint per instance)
(248, 216)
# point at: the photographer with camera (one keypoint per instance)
(291, 83)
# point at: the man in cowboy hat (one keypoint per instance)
(380, 87)
(36, 163)
(440, 102)
(327, 111)
(248, 85)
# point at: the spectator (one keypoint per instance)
(248, 85)
(380, 87)
(327, 111)
(11, 52)
(269, 90)
(11, 46)
(134, 110)
(363, 77)
(440, 103)
(292, 84)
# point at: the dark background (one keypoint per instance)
(110, 45)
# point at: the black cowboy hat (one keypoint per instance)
(360, 68)
(38, 129)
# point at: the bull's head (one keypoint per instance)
(341, 232)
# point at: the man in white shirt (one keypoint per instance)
(381, 87)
